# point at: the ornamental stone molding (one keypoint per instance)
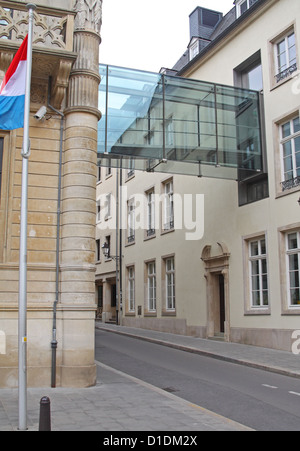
(89, 15)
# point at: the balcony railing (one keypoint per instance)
(286, 73)
(176, 125)
(291, 183)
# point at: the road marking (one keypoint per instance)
(294, 393)
(270, 386)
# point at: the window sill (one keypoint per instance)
(258, 312)
(287, 192)
(282, 82)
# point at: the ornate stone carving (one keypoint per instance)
(89, 15)
(49, 31)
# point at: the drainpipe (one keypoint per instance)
(54, 342)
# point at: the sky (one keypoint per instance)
(149, 34)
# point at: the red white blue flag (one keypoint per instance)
(12, 91)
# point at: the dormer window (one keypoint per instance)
(242, 6)
(194, 49)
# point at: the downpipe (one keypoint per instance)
(54, 342)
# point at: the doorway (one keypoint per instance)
(222, 314)
(217, 292)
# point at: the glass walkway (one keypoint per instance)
(161, 123)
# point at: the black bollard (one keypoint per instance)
(45, 415)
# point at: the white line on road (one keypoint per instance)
(294, 393)
(270, 386)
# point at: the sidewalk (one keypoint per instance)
(280, 362)
(121, 403)
(118, 403)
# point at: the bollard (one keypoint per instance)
(45, 415)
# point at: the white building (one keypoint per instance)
(237, 276)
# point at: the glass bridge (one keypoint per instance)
(161, 123)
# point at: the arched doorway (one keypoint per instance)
(217, 292)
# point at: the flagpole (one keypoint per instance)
(22, 338)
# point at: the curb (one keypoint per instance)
(236, 361)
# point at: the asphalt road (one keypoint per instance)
(260, 400)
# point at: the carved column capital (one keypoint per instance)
(89, 15)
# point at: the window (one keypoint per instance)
(293, 265)
(243, 5)
(151, 286)
(131, 288)
(169, 132)
(99, 174)
(130, 171)
(98, 251)
(252, 78)
(249, 73)
(150, 213)
(258, 273)
(107, 206)
(98, 218)
(290, 153)
(285, 56)
(108, 242)
(168, 206)
(194, 50)
(170, 283)
(1, 161)
(108, 171)
(131, 221)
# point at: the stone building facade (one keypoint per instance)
(62, 194)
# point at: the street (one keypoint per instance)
(260, 400)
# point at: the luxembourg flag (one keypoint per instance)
(12, 91)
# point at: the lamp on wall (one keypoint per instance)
(106, 250)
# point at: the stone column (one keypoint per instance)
(79, 201)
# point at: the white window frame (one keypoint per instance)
(289, 62)
(150, 213)
(170, 284)
(108, 206)
(284, 140)
(131, 220)
(169, 205)
(290, 252)
(151, 286)
(131, 288)
(194, 50)
(258, 258)
(239, 7)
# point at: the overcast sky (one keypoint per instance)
(149, 34)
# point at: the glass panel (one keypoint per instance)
(296, 125)
(286, 130)
(287, 149)
(255, 78)
(295, 296)
(293, 262)
(292, 241)
(254, 248)
(178, 125)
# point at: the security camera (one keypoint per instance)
(41, 113)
